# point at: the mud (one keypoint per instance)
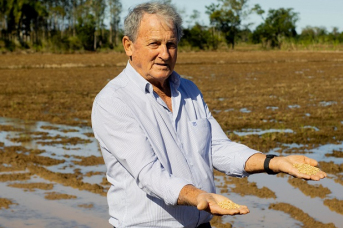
(20, 157)
(89, 161)
(218, 223)
(275, 102)
(92, 173)
(335, 205)
(68, 179)
(58, 196)
(316, 190)
(15, 177)
(243, 187)
(336, 154)
(299, 215)
(32, 186)
(5, 203)
(339, 179)
(331, 167)
(86, 205)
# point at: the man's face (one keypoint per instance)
(154, 53)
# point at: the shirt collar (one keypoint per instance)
(143, 84)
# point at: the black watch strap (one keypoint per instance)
(266, 163)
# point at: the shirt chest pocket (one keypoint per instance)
(200, 136)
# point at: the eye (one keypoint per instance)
(154, 44)
(171, 45)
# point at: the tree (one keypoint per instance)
(58, 24)
(279, 24)
(335, 36)
(97, 8)
(227, 17)
(197, 37)
(313, 34)
(115, 8)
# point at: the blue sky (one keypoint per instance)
(327, 13)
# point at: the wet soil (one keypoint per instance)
(331, 167)
(68, 179)
(32, 186)
(316, 190)
(58, 196)
(86, 205)
(335, 205)
(299, 215)
(5, 203)
(243, 187)
(294, 96)
(336, 154)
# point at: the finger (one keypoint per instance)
(323, 174)
(243, 209)
(311, 161)
(318, 176)
(236, 211)
(222, 211)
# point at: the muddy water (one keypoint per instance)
(88, 208)
(32, 208)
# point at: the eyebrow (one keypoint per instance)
(160, 40)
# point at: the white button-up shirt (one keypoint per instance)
(152, 153)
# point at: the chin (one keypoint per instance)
(164, 74)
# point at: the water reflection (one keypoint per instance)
(32, 134)
(55, 140)
(261, 132)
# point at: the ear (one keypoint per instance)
(128, 45)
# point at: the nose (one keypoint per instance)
(164, 52)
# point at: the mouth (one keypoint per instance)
(162, 64)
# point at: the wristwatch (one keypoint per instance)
(266, 164)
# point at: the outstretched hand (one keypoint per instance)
(209, 202)
(192, 196)
(285, 165)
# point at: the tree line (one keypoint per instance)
(59, 24)
(69, 25)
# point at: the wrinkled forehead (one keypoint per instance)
(157, 20)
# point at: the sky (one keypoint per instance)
(327, 13)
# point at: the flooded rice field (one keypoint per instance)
(52, 173)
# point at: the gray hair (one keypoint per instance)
(166, 11)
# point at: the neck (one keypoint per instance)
(162, 88)
(163, 91)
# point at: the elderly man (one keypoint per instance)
(158, 138)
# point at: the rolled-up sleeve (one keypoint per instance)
(120, 134)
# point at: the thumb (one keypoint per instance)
(202, 204)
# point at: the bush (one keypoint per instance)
(75, 43)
